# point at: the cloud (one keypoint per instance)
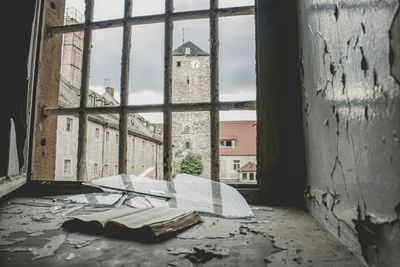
(237, 45)
(237, 51)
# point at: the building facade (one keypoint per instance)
(238, 152)
(144, 141)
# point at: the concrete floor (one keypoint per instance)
(31, 236)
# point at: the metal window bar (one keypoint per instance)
(150, 19)
(82, 132)
(167, 107)
(167, 134)
(214, 90)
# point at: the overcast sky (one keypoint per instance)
(237, 51)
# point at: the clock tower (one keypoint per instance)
(191, 84)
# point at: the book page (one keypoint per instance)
(105, 216)
(150, 216)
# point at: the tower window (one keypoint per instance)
(186, 130)
(178, 63)
(187, 145)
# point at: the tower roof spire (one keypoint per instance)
(190, 49)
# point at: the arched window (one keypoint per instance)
(186, 130)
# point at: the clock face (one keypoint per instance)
(195, 64)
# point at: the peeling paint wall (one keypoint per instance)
(349, 62)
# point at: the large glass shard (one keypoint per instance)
(137, 184)
(205, 195)
(94, 198)
(184, 192)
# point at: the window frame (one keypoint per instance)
(236, 165)
(71, 124)
(106, 167)
(167, 107)
(96, 170)
(70, 167)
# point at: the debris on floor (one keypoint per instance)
(30, 228)
(71, 256)
(79, 240)
(200, 254)
(48, 250)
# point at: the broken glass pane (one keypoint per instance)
(184, 192)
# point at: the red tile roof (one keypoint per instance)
(244, 134)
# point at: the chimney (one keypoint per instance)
(110, 91)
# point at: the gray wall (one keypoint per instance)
(351, 104)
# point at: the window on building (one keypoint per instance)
(67, 167)
(116, 169)
(187, 144)
(143, 151)
(178, 63)
(106, 170)
(236, 164)
(96, 170)
(252, 176)
(186, 130)
(97, 133)
(68, 124)
(227, 143)
(116, 138)
(187, 80)
(107, 136)
(244, 176)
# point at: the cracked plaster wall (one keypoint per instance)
(349, 64)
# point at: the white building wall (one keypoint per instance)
(104, 152)
(226, 165)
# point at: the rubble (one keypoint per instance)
(200, 254)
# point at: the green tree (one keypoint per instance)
(192, 164)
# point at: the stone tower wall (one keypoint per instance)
(191, 85)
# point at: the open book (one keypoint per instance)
(140, 224)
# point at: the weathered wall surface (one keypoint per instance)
(351, 98)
